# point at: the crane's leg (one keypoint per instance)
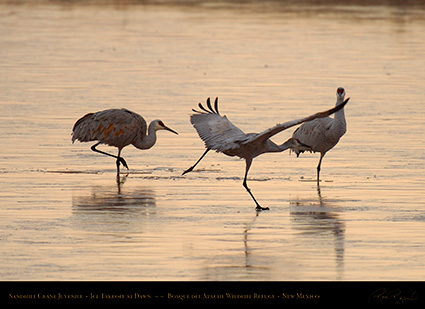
(119, 159)
(118, 163)
(319, 166)
(193, 166)
(248, 165)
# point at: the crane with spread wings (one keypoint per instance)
(219, 134)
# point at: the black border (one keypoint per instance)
(206, 292)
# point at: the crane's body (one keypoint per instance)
(219, 134)
(324, 133)
(118, 128)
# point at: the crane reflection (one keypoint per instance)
(318, 218)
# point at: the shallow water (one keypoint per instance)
(64, 217)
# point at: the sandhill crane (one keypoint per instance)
(219, 134)
(322, 134)
(119, 128)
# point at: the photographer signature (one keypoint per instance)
(396, 295)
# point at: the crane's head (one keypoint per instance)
(159, 125)
(340, 93)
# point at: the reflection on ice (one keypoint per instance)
(240, 261)
(112, 210)
(316, 218)
(115, 198)
(249, 226)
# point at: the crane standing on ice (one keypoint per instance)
(119, 128)
(219, 134)
(322, 134)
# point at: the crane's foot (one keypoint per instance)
(259, 208)
(188, 170)
(122, 161)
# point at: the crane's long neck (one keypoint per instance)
(293, 144)
(339, 125)
(146, 141)
(272, 147)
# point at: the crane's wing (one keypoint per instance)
(216, 131)
(281, 127)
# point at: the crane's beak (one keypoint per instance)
(171, 130)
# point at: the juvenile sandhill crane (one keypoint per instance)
(219, 134)
(322, 134)
(119, 128)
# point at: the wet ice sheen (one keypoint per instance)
(64, 217)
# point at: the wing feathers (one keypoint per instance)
(112, 126)
(220, 134)
(203, 108)
(281, 127)
(209, 104)
(216, 131)
(216, 105)
(211, 110)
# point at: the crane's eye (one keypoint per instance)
(161, 123)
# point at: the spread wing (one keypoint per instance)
(281, 127)
(216, 131)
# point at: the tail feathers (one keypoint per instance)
(296, 146)
(81, 130)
